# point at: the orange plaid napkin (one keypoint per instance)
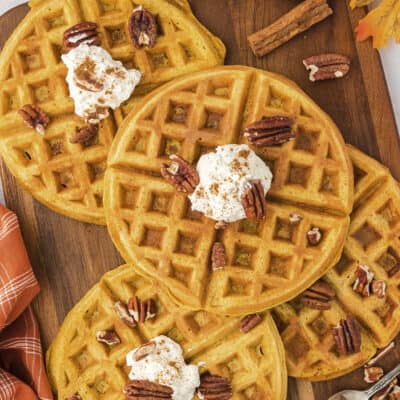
(22, 372)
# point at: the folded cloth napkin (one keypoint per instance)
(22, 372)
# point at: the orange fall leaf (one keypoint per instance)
(381, 24)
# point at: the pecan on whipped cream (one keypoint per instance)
(224, 178)
(162, 362)
(97, 82)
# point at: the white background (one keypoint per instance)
(390, 59)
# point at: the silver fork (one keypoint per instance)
(365, 395)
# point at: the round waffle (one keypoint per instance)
(76, 363)
(69, 177)
(373, 240)
(268, 262)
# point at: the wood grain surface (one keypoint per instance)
(69, 257)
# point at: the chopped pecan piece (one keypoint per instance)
(109, 337)
(219, 225)
(381, 354)
(146, 390)
(314, 236)
(213, 387)
(134, 308)
(296, 21)
(218, 260)
(85, 134)
(327, 66)
(143, 28)
(395, 393)
(253, 201)
(347, 336)
(372, 374)
(141, 311)
(147, 310)
(364, 278)
(295, 218)
(180, 174)
(144, 350)
(270, 131)
(34, 117)
(74, 397)
(249, 322)
(123, 313)
(84, 32)
(378, 288)
(383, 393)
(318, 296)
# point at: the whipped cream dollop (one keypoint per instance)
(161, 361)
(224, 177)
(97, 82)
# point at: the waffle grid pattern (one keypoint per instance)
(69, 177)
(267, 263)
(373, 240)
(77, 363)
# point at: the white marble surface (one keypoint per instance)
(390, 59)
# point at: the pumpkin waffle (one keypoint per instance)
(267, 262)
(78, 364)
(69, 177)
(373, 240)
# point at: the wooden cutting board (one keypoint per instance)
(69, 257)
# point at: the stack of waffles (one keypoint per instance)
(168, 245)
(220, 317)
(68, 177)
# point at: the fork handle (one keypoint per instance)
(383, 382)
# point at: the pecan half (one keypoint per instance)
(314, 236)
(364, 278)
(327, 66)
(85, 134)
(213, 387)
(123, 313)
(144, 350)
(218, 257)
(372, 374)
(84, 32)
(347, 336)
(378, 288)
(270, 131)
(318, 296)
(249, 322)
(108, 337)
(146, 390)
(141, 311)
(34, 117)
(180, 174)
(253, 201)
(383, 393)
(143, 29)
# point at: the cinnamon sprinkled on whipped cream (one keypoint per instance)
(224, 176)
(161, 361)
(97, 82)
